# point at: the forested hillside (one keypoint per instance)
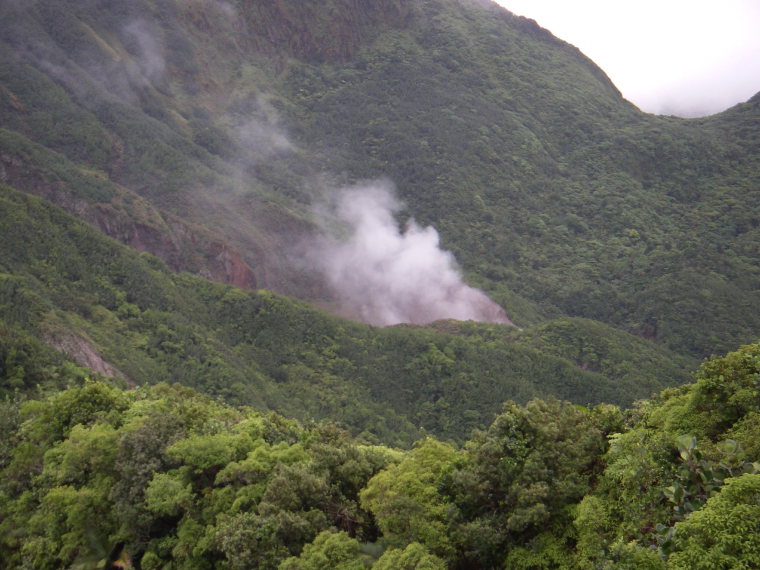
(206, 131)
(162, 477)
(126, 315)
(211, 209)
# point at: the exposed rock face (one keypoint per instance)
(180, 245)
(81, 351)
(229, 268)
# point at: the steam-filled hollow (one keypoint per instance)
(385, 274)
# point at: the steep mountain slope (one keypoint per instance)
(560, 191)
(128, 316)
(203, 131)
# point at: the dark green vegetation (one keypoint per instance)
(545, 183)
(175, 409)
(201, 131)
(125, 314)
(162, 477)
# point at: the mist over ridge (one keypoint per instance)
(385, 274)
(196, 132)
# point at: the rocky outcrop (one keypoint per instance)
(82, 351)
(181, 246)
(134, 222)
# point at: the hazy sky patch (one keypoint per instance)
(681, 57)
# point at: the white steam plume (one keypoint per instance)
(383, 275)
(260, 139)
(148, 50)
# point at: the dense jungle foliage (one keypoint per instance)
(181, 126)
(176, 391)
(102, 303)
(163, 477)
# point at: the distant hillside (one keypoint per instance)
(205, 132)
(65, 286)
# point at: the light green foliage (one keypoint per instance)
(519, 477)
(744, 432)
(54, 418)
(593, 524)
(150, 561)
(632, 556)
(167, 494)
(639, 464)
(86, 456)
(726, 390)
(405, 500)
(723, 534)
(545, 551)
(106, 482)
(163, 475)
(329, 550)
(68, 522)
(41, 423)
(656, 475)
(209, 452)
(414, 557)
(698, 479)
(261, 461)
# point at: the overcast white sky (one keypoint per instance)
(681, 57)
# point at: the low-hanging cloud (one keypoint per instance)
(383, 274)
(260, 139)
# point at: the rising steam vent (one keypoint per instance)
(383, 274)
